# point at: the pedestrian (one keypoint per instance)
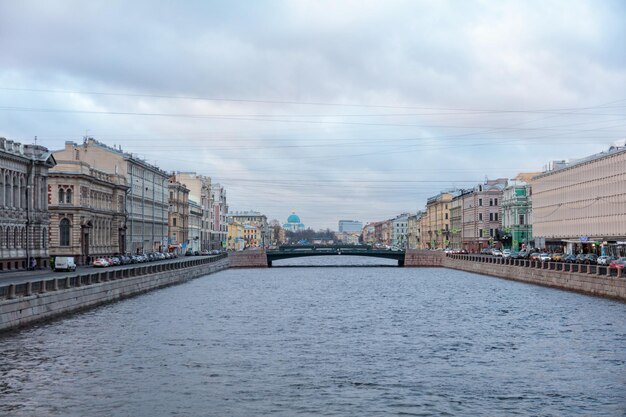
(33, 264)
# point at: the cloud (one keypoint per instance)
(444, 91)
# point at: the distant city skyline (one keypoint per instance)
(342, 110)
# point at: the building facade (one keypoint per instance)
(516, 216)
(350, 226)
(24, 219)
(435, 224)
(581, 207)
(178, 216)
(399, 230)
(146, 200)
(413, 230)
(195, 227)
(258, 238)
(200, 192)
(87, 212)
(219, 217)
(481, 217)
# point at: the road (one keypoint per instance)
(19, 277)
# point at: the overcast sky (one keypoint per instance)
(334, 109)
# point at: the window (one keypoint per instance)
(480, 217)
(491, 232)
(61, 196)
(64, 232)
(491, 201)
(495, 202)
(68, 196)
(174, 222)
(521, 219)
(480, 201)
(446, 216)
(495, 217)
(480, 232)
(490, 217)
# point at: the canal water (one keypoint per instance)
(332, 341)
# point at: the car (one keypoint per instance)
(556, 257)
(591, 259)
(618, 263)
(485, 251)
(496, 252)
(545, 257)
(506, 253)
(580, 258)
(534, 256)
(100, 263)
(570, 259)
(605, 260)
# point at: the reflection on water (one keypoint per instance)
(326, 341)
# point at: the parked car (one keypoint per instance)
(580, 258)
(100, 263)
(544, 257)
(506, 253)
(557, 257)
(534, 256)
(496, 252)
(570, 259)
(590, 258)
(486, 251)
(605, 260)
(618, 263)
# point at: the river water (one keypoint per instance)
(333, 341)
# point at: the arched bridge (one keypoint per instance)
(286, 252)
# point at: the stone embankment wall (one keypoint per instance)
(424, 258)
(588, 279)
(248, 259)
(30, 302)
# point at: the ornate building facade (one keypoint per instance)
(87, 212)
(147, 197)
(178, 217)
(24, 219)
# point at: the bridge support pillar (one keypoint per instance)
(400, 262)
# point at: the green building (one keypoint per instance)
(516, 220)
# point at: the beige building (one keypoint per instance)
(146, 200)
(178, 216)
(24, 220)
(258, 238)
(200, 191)
(87, 218)
(435, 224)
(219, 217)
(581, 206)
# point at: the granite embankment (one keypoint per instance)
(587, 279)
(33, 301)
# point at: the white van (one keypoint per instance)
(64, 263)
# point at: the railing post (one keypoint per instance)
(42, 287)
(29, 288)
(11, 294)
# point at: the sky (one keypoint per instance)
(333, 109)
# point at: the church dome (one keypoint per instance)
(293, 219)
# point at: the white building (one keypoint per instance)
(399, 230)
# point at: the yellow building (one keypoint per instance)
(435, 224)
(235, 237)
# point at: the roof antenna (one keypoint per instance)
(35, 140)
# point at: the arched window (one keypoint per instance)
(64, 232)
(16, 237)
(44, 238)
(61, 196)
(68, 196)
